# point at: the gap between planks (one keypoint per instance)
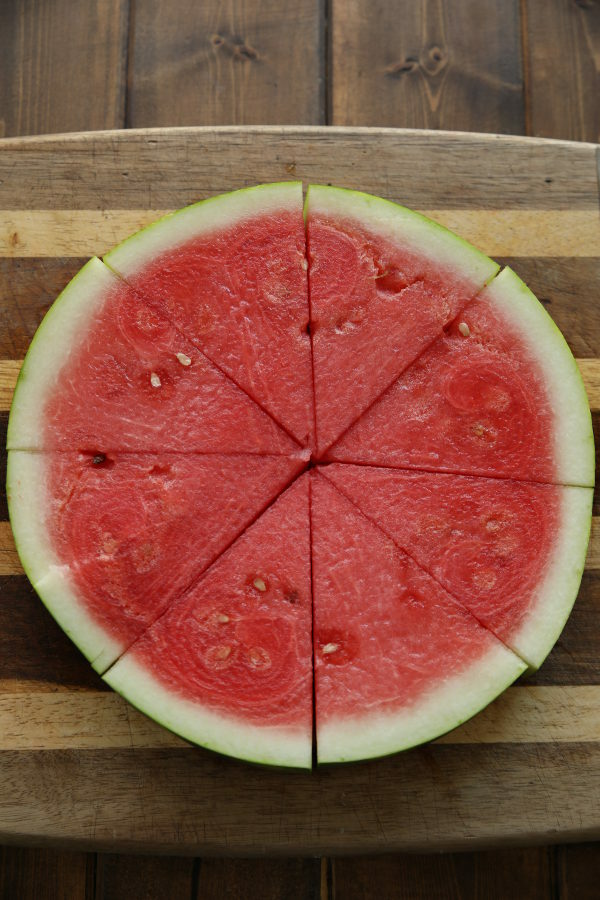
(506, 232)
(64, 720)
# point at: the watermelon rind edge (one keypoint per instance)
(557, 592)
(408, 228)
(574, 435)
(58, 333)
(222, 733)
(460, 697)
(204, 217)
(50, 578)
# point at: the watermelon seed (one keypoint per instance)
(221, 617)
(154, 380)
(259, 658)
(305, 263)
(183, 359)
(98, 459)
(330, 648)
(259, 584)
(464, 329)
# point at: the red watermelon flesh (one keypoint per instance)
(130, 532)
(477, 402)
(376, 303)
(397, 659)
(134, 383)
(511, 552)
(240, 294)
(231, 661)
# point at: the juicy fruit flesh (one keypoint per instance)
(237, 642)
(250, 280)
(370, 300)
(473, 403)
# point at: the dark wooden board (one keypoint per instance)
(77, 765)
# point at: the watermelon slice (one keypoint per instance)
(230, 272)
(512, 552)
(106, 373)
(384, 281)
(109, 542)
(499, 394)
(229, 665)
(397, 660)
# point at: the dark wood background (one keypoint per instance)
(529, 67)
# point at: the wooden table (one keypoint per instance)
(476, 69)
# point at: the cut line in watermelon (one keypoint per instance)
(160, 433)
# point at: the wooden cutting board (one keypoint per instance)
(77, 764)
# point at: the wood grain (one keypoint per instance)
(248, 63)
(48, 49)
(428, 64)
(259, 879)
(578, 870)
(562, 69)
(493, 875)
(120, 877)
(508, 232)
(38, 874)
(442, 796)
(63, 720)
(168, 168)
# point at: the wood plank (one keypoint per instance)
(233, 63)
(569, 288)
(33, 648)
(28, 287)
(42, 874)
(578, 871)
(120, 877)
(91, 720)
(47, 49)
(495, 875)
(165, 169)
(561, 70)
(177, 801)
(259, 879)
(432, 64)
(508, 232)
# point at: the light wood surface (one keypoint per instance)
(77, 765)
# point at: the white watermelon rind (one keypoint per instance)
(49, 577)
(62, 329)
(460, 697)
(405, 227)
(557, 591)
(573, 436)
(208, 216)
(226, 734)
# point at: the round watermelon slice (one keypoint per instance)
(162, 424)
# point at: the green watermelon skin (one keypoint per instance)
(379, 686)
(512, 553)
(229, 665)
(230, 273)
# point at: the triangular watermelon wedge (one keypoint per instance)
(108, 542)
(229, 665)
(511, 552)
(383, 282)
(230, 272)
(105, 372)
(499, 394)
(397, 660)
